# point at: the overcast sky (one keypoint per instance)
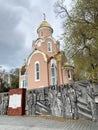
(19, 20)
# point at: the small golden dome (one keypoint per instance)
(45, 24)
(66, 64)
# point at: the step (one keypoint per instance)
(82, 84)
(84, 115)
(43, 106)
(82, 102)
(84, 110)
(40, 112)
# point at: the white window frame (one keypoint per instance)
(53, 77)
(37, 62)
(49, 46)
(69, 75)
(23, 83)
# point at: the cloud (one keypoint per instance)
(19, 20)
(14, 32)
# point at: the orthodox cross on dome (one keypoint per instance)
(44, 16)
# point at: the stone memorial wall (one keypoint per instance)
(3, 103)
(77, 100)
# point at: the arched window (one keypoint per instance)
(49, 47)
(37, 71)
(23, 84)
(69, 74)
(53, 75)
(41, 33)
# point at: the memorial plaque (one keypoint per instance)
(15, 101)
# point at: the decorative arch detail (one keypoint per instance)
(36, 52)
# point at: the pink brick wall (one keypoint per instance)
(43, 72)
(44, 47)
(46, 32)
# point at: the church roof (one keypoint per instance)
(45, 24)
(66, 64)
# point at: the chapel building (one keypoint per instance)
(46, 65)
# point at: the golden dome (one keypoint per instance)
(45, 24)
(66, 64)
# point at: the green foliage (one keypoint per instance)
(3, 86)
(9, 80)
(14, 78)
(81, 36)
